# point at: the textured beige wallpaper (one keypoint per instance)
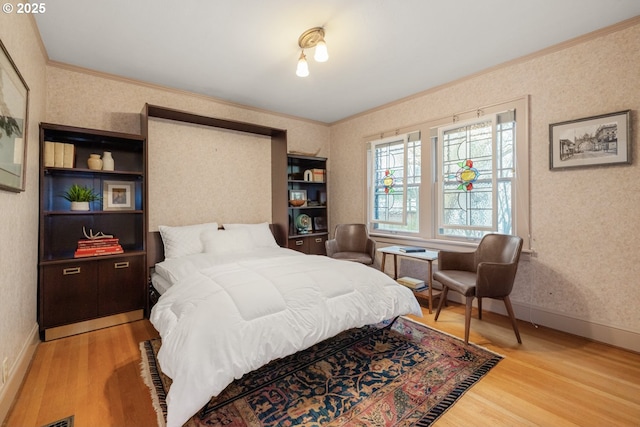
(201, 174)
(584, 223)
(19, 225)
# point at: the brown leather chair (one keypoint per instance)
(351, 242)
(489, 272)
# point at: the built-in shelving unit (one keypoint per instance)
(81, 294)
(307, 180)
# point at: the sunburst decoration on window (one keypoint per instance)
(388, 181)
(466, 175)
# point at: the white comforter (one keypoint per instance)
(226, 320)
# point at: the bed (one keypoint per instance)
(232, 300)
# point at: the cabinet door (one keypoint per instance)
(316, 245)
(300, 244)
(69, 293)
(121, 285)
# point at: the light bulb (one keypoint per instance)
(321, 54)
(303, 67)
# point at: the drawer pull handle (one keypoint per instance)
(71, 270)
(299, 242)
(318, 239)
(124, 264)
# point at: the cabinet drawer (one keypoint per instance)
(69, 293)
(300, 244)
(121, 285)
(316, 245)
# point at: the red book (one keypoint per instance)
(95, 243)
(107, 250)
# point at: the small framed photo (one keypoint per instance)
(118, 196)
(298, 198)
(320, 223)
(592, 141)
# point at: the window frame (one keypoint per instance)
(429, 203)
(408, 141)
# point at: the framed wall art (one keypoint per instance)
(14, 107)
(592, 141)
(118, 196)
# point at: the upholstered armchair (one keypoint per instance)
(488, 272)
(351, 242)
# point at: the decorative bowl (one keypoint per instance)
(297, 203)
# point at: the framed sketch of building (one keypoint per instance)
(592, 141)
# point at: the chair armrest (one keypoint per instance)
(331, 246)
(495, 280)
(449, 260)
(371, 248)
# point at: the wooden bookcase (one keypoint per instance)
(80, 294)
(302, 181)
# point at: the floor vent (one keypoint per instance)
(66, 422)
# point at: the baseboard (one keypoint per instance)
(17, 373)
(611, 335)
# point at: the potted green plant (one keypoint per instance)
(80, 196)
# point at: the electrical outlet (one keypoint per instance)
(5, 370)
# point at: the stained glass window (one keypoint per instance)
(476, 161)
(395, 165)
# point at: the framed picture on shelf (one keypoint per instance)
(118, 196)
(298, 198)
(322, 197)
(14, 107)
(320, 223)
(592, 141)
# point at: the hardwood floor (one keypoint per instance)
(552, 379)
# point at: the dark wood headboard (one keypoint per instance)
(155, 249)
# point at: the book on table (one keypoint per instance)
(412, 283)
(412, 249)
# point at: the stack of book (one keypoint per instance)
(415, 285)
(95, 247)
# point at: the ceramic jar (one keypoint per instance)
(107, 161)
(94, 162)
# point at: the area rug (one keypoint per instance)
(404, 375)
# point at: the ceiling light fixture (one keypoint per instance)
(311, 38)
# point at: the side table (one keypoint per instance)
(428, 294)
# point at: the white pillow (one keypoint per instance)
(260, 234)
(184, 240)
(221, 242)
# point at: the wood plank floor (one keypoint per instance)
(552, 379)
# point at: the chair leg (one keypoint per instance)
(479, 308)
(467, 318)
(443, 298)
(507, 304)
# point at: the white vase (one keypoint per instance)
(107, 161)
(79, 206)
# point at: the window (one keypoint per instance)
(475, 190)
(395, 174)
(470, 178)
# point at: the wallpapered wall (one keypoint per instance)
(19, 224)
(584, 222)
(228, 175)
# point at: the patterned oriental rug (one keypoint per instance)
(406, 375)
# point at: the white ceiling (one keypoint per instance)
(245, 51)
